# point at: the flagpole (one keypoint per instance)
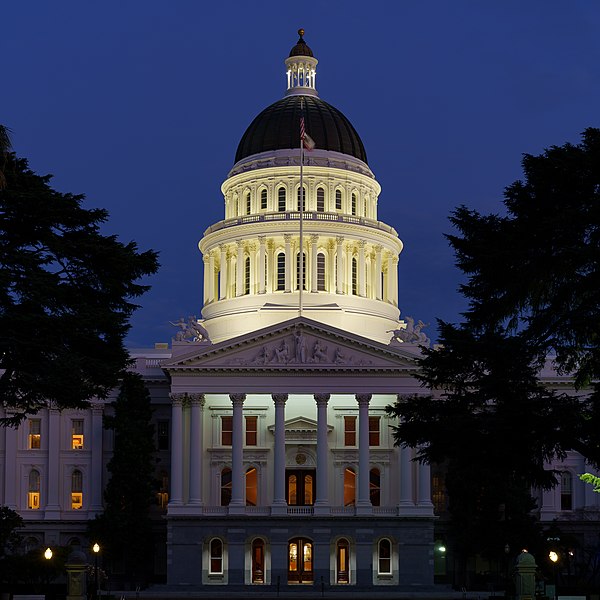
(301, 254)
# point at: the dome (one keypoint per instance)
(278, 128)
(301, 49)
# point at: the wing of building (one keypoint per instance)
(277, 460)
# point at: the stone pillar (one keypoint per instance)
(339, 288)
(211, 276)
(223, 277)
(349, 280)
(52, 506)
(322, 500)
(279, 499)
(97, 450)
(363, 505)
(76, 569)
(424, 487)
(196, 449)
(176, 498)
(238, 479)
(288, 262)
(394, 278)
(261, 264)
(314, 239)
(239, 271)
(253, 279)
(205, 292)
(377, 274)
(406, 479)
(390, 279)
(362, 283)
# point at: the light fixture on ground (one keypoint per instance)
(553, 556)
(96, 549)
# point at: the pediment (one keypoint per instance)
(300, 429)
(295, 345)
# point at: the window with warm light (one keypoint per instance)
(226, 430)
(349, 487)
(76, 490)
(350, 430)
(77, 434)
(251, 430)
(34, 439)
(251, 487)
(162, 496)
(374, 438)
(33, 491)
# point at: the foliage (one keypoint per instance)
(5, 145)
(124, 530)
(66, 294)
(592, 480)
(10, 522)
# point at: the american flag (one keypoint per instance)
(307, 141)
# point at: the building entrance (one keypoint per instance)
(300, 487)
(300, 561)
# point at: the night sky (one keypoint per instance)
(140, 106)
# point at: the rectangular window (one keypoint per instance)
(374, 431)
(216, 557)
(338, 200)
(33, 500)
(251, 431)
(162, 435)
(77, 434)
(566, 492)
(281, 199)
(263, 199)
(35, 437)
(350, 431)
(226, 431)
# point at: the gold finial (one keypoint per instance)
(300, 32)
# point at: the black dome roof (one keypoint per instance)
(301, 48)
(278, 128)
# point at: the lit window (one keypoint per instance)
(375, 487)
(77, 434)
(320, 272)
(216, 557)
(349, 487)
(226, 486)
(33, 493)
(251, 431)
(350, 431)
(302, 198)
(320, 200)
(162, 495)
(76, 490)
(258, 561)
(338, 199)
(281, 271)
(162, 435)
(281, 199)
(226, 430)
(35, 437)
(566, 491)
(374, 431)
(384, 552)
(343, 561)
(263, 199)
(251, 487)
(353, 204)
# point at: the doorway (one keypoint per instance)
(300, 561)
(343, 561)
(300, 487)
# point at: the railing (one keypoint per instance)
(385, 510)
(300, 510)
(342, 510)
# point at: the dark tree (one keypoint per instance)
(124, 530)
(66, 295)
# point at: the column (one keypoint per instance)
(205, 286)
(239, 271)
(349, 251)
(253, 279)
(223, 277)
(176, 498)
(363, 504)
(322, 500)
(362, 284)
(288, 262)
(314, 239)
(53, 475)
(378, 290)
(424, 487)
(390, 279)
(10, 454)
(211, 276)
(196, 449)
(97, 451)
(394, 278)
(339, 288)
(406, 479)
(261, 264)
(237, 455)
(279, 499)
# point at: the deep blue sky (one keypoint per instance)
(140, 106)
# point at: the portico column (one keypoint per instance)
(261, 264)
(349, 280)
(288, 262)
(390, 279)
(322, 500)
(253, 279)
(196, 446)
(424, 487)
(223, 277)
(314, 239)
(239, 272)
(339, 287)
(406, 479)
(206, 284)
(52, 506)
(362, 284)
(378, 290)
(237, 453)
(176, 498)
(279, 499)
(394, 296)
(96, 482)
(364, 500)
(211, 276)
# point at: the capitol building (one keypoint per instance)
(277, 460)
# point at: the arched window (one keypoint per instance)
(281, 199)
(31, 543)
(263, 199)
(303, 271)
(354, 204)
(320, 272)
(309, 489)
(33, 493)
(216, 557)
(320, 199)
(384, 557)
(375, 487)
(354, 277)
(76, 490)
(247, 275)
(343, 561)
(302, 198)
(225, 486)
(162, 495)
(349, 487)
(338, 199)
(248, 204)
(566, 491)
(258, 561)
(281, 271)
(251, 487)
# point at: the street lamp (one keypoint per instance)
(96, 549)
(553, 556)
(48, 556)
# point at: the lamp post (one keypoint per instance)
(96, 549)
(553, 556)
(48, 557)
